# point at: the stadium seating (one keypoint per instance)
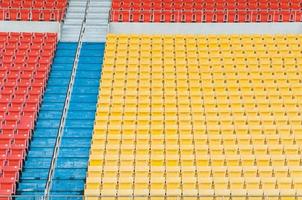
(33, 10)
(206, 11)
(70, 171)
(37, 164)
(25, 61)
(201, 114)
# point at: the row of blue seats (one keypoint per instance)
(72, 162)
(37, 164)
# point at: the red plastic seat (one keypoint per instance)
(189, 11)
(23, 72)
(33, 10)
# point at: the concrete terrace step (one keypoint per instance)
(96, 20)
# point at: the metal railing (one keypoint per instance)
(66, 107)
(205, 15)
(31, 14)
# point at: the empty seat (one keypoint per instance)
(21, 99)
(33, 10)
(207, 11)
(195, 111)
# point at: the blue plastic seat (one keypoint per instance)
(63, 59)
(40, 152)
(57, 81)
(86, 82)
(81, 115)
(52, 106)
(42, 132)
(68, 163)
(79, 123)
(73, 152)
(48, 123)
(70, 174)
(43, 142)
(77, 132)
(83, 98)
(75, 142)
(34, 174)
(54, 98)
(37, 164)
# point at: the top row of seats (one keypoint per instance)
(33, 10)
(206, 11)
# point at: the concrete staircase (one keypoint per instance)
(96, 20)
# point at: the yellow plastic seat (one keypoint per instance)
(255, 194)
(238, 194)
(284, 183)
(263, 160)
(203, 171)
(268, 183)
(252, 183)
(295, 171)
(236, 183)
(222, 194)
(220, 183)
(217, 160)
(205, 183)
(173, 186)
(293, 160)
(247, 160)
(291, 149)
(219, 171)
(278, 160)
(288, 194)
(249, 171)
(297, 183)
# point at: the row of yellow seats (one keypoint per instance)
(212, 94)
(273, 112)
(204, 73)
(214, 127)
(204, 89)
(186, 147)
(271, 38)
(209, 120)
(181, 72)
(217, 103)
(244, 145)
(203, 84)
(198, 160)
(286, 139)
(229, 55)
(205, 44)
(281, 71)
(214, 60)
(206, 50)
(206, 77)
(204, 195)
(284, 74)
(161, 184)
(201, 172)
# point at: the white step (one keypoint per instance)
(96, 20)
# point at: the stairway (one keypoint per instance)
(73, 20)
(97, 21)
(36, 167)
(71, 165)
